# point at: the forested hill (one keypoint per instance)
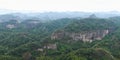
(87, 29)
(60, 39)
(89, 24)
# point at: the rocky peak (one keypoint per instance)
(93, 16)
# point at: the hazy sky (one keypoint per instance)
(61, 5)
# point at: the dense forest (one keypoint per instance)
(58, 39)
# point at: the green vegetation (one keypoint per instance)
(31, 41)
(89, 24)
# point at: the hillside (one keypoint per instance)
(60, 39)
(87, 29)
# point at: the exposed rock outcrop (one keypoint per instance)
(88, 36)
(50, 46)
(10, 26)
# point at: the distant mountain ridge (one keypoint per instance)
(6, 15)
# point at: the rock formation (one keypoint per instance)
(88, 36)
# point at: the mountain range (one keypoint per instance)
(60, 36)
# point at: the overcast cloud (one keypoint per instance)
(61, 5)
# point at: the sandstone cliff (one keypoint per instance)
(88, 36)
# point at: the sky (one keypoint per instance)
(61, 5)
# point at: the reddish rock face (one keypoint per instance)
(84, 36)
